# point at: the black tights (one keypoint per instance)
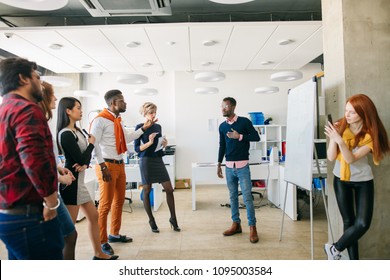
(356, 202)
(170, 199)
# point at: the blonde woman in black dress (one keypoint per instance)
(149, 148)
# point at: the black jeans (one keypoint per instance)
(356, 202)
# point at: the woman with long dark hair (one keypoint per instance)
(359, 133)
(77, 150)
(65, 177)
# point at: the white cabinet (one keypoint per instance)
(291, 198)
(270, 135)
(170, 162)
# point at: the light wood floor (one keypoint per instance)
(201, 236)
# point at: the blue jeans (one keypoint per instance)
(28, 237)
(242, 176)
(66, 223)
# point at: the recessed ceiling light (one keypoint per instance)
(146, 91)
(206, 63)
(266, 62)
(86, 93)
(206, 90)
(209, 76)
(171, 43)
(132, 79)
(285, 42)
(266, 90)
(56, 46)
(36, 5)
(133, 44)
(287, 76)
(231, 1)
(57, 81)
(86, 66)
(147, 64)
(209, 43)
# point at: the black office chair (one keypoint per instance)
(258, 189)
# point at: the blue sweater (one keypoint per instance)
(233, 149)
(150, 151)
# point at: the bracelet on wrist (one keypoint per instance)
(52, 208)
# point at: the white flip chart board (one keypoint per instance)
(300, 135)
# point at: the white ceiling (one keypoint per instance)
(240, 46)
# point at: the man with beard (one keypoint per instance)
(110, 144)
(28, 175)
(234, 137)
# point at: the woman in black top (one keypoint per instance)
(77, 150)
(150, 151)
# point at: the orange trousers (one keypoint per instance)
(112, 197)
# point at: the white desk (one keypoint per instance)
(291, 201)
(133, 174)
(206, 173)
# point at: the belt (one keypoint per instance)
(113, 161)
(29, 209)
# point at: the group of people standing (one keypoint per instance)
(34, 188)
(39, 198)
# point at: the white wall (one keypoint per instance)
(184, 115)
(165, 100)
(195, 143)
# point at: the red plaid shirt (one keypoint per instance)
(27, 165)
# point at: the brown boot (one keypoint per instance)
(235, 228)
(253, 237)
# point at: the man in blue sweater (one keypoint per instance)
(234, 137)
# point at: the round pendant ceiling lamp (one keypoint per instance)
(231, 1)
(57, 81)
(206, 90)
(146, 91)
(266, 90)
(286, 76)
(209, 76)
(36, 5)
(86, 93)
(132, 79)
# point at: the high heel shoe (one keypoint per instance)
(153, 226)
(174, 225)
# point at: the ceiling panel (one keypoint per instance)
(146, 63)
(304, 53)
(202, 54)
(171, 45)
(16, 44)
(274, 52)
(247, 40)
(167, 47)
(66, 52)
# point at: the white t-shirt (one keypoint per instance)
(360, 170)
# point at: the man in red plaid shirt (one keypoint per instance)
(28, 175)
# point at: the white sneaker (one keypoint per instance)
(332, 252)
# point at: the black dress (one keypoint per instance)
(151, 164)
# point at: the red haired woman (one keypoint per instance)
(352, 138)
